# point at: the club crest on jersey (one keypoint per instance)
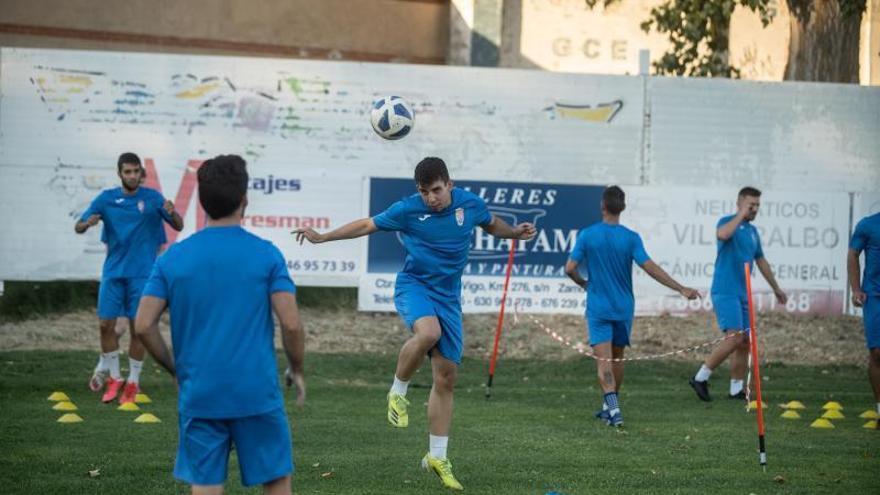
(141, 205)
(459, 216)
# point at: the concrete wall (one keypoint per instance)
(415, 31)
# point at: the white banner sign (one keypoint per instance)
(65, 116)
(804, 237)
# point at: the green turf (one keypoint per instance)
(536, 434)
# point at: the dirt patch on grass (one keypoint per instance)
(785, 339)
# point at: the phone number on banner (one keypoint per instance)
(331, 266)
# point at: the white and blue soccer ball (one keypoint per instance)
(392, 117)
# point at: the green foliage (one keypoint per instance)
(699, 32)
(537, 434)
(22, 300)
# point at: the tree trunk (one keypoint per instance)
(824, 45)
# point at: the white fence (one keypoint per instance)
(676, 144)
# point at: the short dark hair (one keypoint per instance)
(430, 170)
(223, 182)
(127, 157)
(749, 191)
(614, 199)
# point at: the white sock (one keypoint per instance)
(736, 386)
(704, 374)
(101, 367)
(111, 359)
(438, 446)
(134, 370)
(399, 387)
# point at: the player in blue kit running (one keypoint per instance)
(220, 286)
(738, 244)
(866, 293)
(608, 250)
(437, 226)
(133, 231)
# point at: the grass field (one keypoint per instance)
(536, 434)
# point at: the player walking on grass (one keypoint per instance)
(221, 285)
(437, 225)
(608, 250)
(132, 217)
(866, 292)
(738, 244)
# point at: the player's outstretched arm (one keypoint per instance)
(571, 269)
(293, 339)
(81, 227)
(146, 326)
(660, 275)
(853, 269)
(767, 272)
(358, 228)
(499, 228)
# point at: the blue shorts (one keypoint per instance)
(414, 301)
(871, 316)
(601, 331)
(732, 312)
(262, 442)
(119, 297)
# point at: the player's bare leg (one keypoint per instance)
(617, 367)
(715, 358)
(426, 333)
(281, 486)
(610, 411)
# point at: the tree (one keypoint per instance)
(824, 42)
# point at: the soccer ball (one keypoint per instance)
(392, 117)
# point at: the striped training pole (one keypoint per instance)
(753, 338)
(500, 319)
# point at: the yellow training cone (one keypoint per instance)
(58, 397)
(832, 405)
(70, 418)
(754, 405)
(821, 423)
(795, 404)
(869, 415)
(147, 418)
(833, 414)
(142, 399)
(791, 414)
(128, 406)
(872, 425)
(64, 406)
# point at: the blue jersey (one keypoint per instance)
(609, 251)
(132, 230)
(867, 238)
(437, 243)
(218, 284)
(744, 246)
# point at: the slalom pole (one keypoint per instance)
(753, 338)
(500, 319)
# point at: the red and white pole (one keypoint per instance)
(753, 339)
(500, 324)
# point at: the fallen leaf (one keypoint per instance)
(316, 464)
(326, 475)
(94, 473)
(779, 479)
